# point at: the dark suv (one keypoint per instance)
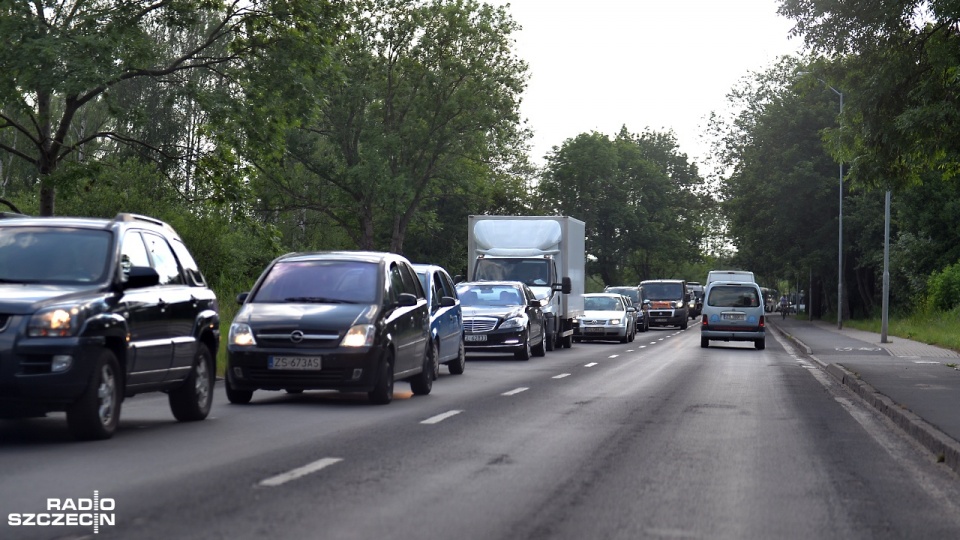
(96, 310)
(349, 321)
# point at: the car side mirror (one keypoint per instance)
(447, 301)
(457, 279)
(534, 303)
(647, 302)
(242, 297)
(406, 300)
(631, 309)
(141, 276)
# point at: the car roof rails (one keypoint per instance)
(127, 216)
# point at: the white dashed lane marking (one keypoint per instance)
(591, 364)
(614, 355)
(440, 417)
(309, 468)
(562, 375)
(514, 391)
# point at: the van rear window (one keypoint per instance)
(733, 296)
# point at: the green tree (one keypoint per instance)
(422, 103)
(69, 71)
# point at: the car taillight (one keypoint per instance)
(761, 321)
(703, 321)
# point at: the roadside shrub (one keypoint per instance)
(943, 288)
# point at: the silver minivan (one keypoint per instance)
(733, 311)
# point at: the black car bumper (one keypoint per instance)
(28, 384)
(340, 369)
(500, 340)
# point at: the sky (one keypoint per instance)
(664, 65)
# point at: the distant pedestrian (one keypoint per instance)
(784, 305)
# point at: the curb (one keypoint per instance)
(943, 447)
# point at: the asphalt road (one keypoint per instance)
(652, 439)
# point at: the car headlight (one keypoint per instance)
(241, 335)
(359, 335)
(679, 304)
(615, 322)
(60, 321)
(515, 322)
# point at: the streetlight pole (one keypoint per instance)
(840, 217)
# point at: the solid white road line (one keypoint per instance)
(309, 468)
(515, 391)
(440, 417)
(562, 375)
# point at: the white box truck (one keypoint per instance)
(545, 252)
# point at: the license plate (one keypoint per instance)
(593, 330)
(474, 337)
(734, 317)
(294, 362)
(661, 319)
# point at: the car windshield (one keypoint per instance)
(490, 295)
(601, 303)
(60, 255)
(532, 272)
(321, 282)
(733, 296)
(633, 293)
(663, 291)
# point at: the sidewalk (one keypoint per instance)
(916, 385)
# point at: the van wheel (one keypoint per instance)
(760, 344)
(96, 414)
(683, 325)
(191, 402)
(704, 343)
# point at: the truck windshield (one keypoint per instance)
(532, 272)
(664, 291)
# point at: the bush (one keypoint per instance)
(943, 288)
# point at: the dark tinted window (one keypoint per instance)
(320, 282)
(632, 292)
(58, 255)
(733, 296)
(189, 265)
(490, 295)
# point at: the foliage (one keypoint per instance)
(943, 288)
(408, 119)
(636, 193)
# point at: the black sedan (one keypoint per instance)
(502, 316)
(348, 321)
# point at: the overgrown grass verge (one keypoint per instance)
(940, 328)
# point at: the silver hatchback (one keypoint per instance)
(733, 311)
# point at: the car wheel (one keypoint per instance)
(236, 396)
(422, 383)
(683, 325)
(96, 414)
(460, 362)
(191, 402)
(382, 393)
(524, 352)
(760, 344)
(567, 341)
(626, 336)
(540, 349)
(704, 343)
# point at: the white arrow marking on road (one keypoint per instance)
(514, 391)
(309, 468)
(440, 417)
(562, 375)
(591, 364)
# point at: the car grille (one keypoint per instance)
(297, 338)
(661, 313)
(272, 376)
(479, 324)
(592, 321)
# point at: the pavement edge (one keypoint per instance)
(943, 447)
